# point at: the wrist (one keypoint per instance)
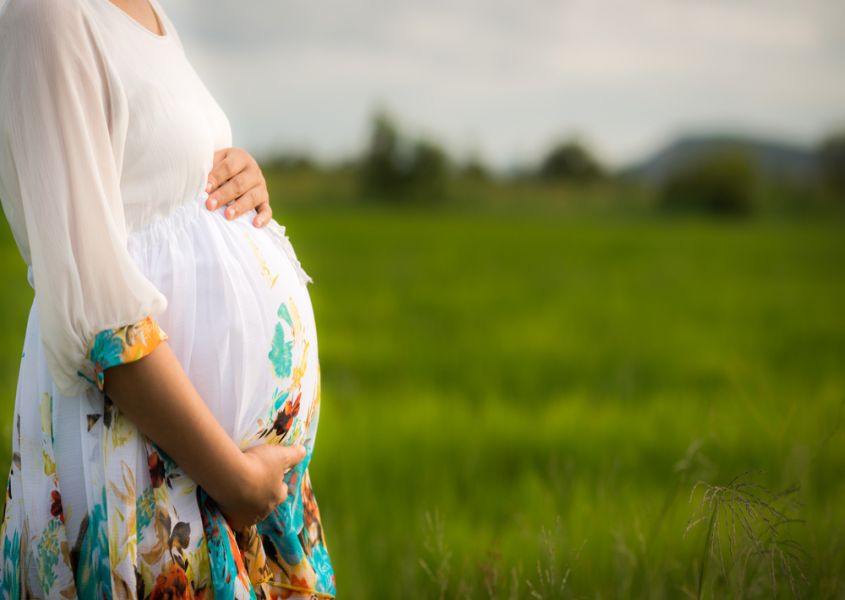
(231, 487)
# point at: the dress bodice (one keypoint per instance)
(166, 124)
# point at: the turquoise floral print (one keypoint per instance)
(11, 569)
(281, 353)
(112, 347)
(93, 571)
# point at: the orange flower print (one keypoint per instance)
(284, 418)
(172, 585)
(156, 467)
(56, 505)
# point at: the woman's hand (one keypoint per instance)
(261, 487)
(236, 177)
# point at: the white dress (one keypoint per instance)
(107, 136)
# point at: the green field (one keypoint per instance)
(518, 403)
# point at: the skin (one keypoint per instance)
(141, 11)
(237, 180)
(155, 393)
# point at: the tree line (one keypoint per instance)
(397, 167)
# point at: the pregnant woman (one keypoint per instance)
(169, 386)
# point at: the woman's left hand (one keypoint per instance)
(236, 178)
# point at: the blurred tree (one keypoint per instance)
(288, 161)
(396, 169)
(719, 183)
(474, 168)
(429, 167)
(831, 157)
(381, 166)
(570, 160)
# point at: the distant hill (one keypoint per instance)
(773, 158)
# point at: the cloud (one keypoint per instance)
(508, 77)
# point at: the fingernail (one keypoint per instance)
(230, 211)
(212, 204)
(208, 187)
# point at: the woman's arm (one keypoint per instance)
(156, 394)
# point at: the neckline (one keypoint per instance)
(136, 23)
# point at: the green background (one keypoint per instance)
(519, 397)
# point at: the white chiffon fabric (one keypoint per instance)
(107, 136)
(94, 142)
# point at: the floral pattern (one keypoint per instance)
(151, 532)
(124, 344)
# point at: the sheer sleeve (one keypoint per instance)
(95, 307)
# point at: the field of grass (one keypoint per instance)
(518, 403)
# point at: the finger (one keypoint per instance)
(248, 200)
(219, 155)
(228, 163)
(265, 213)
(231, 164)
(234, 188)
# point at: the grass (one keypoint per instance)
(521, 402)
(745, 533)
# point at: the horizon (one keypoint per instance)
(715, 136)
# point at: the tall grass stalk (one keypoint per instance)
(747, 538)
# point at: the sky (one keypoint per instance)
(506, 79)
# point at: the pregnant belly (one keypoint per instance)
(239, 319)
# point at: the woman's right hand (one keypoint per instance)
(262, 486)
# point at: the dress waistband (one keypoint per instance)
(185, 212)
(163, 225)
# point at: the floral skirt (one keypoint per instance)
(95, 510)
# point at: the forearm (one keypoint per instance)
(156, 394)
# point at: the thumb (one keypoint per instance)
(290, 455)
